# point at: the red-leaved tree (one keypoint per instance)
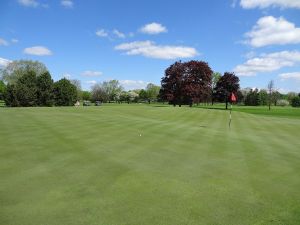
(186, 83)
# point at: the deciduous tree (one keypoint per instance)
(77, 84)
(214, 80)
(186, 83)
(152, 92)
(16, 69)
(252, 98)
(98, 93)
(263, 97)
(86, 95)
(112, 89)
(270, 92)
(227, 84)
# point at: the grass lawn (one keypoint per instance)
(89, 165)
(278, 111)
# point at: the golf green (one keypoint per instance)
(147, 165)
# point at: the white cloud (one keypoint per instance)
(101, 33)
(270, 30)
(14, 40)
(118, 34)
(3, 42)
(250, 55)
(153, 28)
(91, 82)
(67, 3)
(89, 73)
(288, 76)
(37, 50)
(29, 3)
(133, 84)
(249, 4)
(4, 62)
(268, 63)
(151, 50)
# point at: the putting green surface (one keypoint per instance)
(147, 165)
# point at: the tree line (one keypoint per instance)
(112, 91)
(193, 82)
(28, 83)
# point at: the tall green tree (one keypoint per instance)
(214, 80)
(271, 89)
(16, 69)
(252, 98)
(10, 96)
(86, 95)
(143, 95)
(65, 93)
(263, 97)
(296, 101)
(290, 96)
(99, 93)
(45, 95)
(276, 96)
(26, 87)
(77, 84)
(2, 89)
(152, 92)
(112, 89)
(227, 84)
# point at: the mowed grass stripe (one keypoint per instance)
(91, 166)
(266, 172)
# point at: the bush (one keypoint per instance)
(283, 102)
(296, 101)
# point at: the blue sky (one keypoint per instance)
(134, 41)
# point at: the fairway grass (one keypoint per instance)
(147, 165)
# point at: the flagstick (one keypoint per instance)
(230, 115)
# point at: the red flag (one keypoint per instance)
(232, 97)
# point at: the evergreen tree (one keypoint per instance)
(252, 98)
(2, 90)
(10, 96)
(26, 88)
(45, 90)
(65, 93)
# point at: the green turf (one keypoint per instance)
(91, 166)
(278, 111)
